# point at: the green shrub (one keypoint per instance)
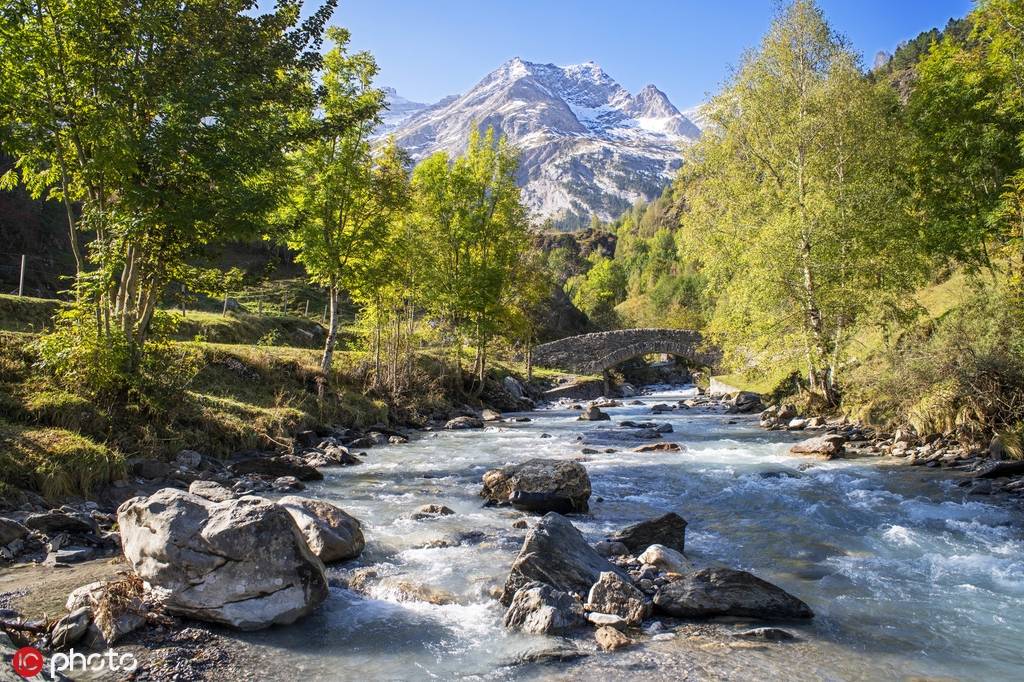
(962, 373)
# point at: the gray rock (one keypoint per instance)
(285, 484)
(73, 555)
(275, 467)
(430, 511)
(489, 415)
(462, 423)
(331, 533)
(539, 609)
(593, 414)
(668, 530)
(608, 548)
(539, 485)
(243, 563)
(209, 490)
(616, 596)
(71, 628)
(600, 620)
(514, 388)
(59, 522)
(827, 447)
(189, 458)
(665, 559)
(766, 634)
(11, 530)
(711, 592)
(554, 552)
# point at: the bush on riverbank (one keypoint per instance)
(961, 373)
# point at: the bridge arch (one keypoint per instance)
(600, 351)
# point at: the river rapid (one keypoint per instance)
(907, 576)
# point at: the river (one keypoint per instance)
(907, 576)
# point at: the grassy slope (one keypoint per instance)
(241, 397)
(935, 299)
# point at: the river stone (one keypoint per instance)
(539, 609)
(71, 628)
(430, 511)
(828, 447)
(598, 619)
(539, 485)
(610, 639)
(554, 552)
(275, 467)
(615, 596)
(659, 447)
(593, 414)
(53, 522)
(712, 592)
(668, 530)
(489, 415)
(665, 558)
(331, 533)
(212, 491)
(11, 530)
(243, 563)
(461, 423)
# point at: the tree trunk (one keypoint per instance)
(332, 335)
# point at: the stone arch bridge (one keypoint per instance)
(598, 352)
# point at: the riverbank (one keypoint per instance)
(879, 552)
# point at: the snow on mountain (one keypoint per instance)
(588, 146)
(697, 115)
(398, 111)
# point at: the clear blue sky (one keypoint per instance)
(431, 48)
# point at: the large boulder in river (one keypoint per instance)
(539, 609)
(712, 592)
(668, 529)
(331, 533)
(540, 485)
(593, 413)
(243, 562)
(827, 447)
(554, 552)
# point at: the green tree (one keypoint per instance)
(967, 110)
(472, 229)
(343, 192)
(164, 121)
(598, 291)
(795, 207)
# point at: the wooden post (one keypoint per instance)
(259, 306)
(21, 277)
(306, 314)
(323, 319)
(225, 311)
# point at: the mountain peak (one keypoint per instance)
(588, 147)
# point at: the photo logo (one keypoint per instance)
(28, 661)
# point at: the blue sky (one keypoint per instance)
(431, 48)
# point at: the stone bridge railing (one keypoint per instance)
(594, 353)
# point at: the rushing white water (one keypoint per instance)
(907, 576)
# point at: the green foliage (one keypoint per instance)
(163, 122)
(795, 212)
(54, 462)
(598, 291)
(469, 238)
(962, 373)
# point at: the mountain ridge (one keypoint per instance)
(588, 146)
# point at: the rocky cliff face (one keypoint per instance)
(588, 147)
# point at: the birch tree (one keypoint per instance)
(795, 203)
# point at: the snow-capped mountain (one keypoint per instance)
(398, 111)
(588, 147)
